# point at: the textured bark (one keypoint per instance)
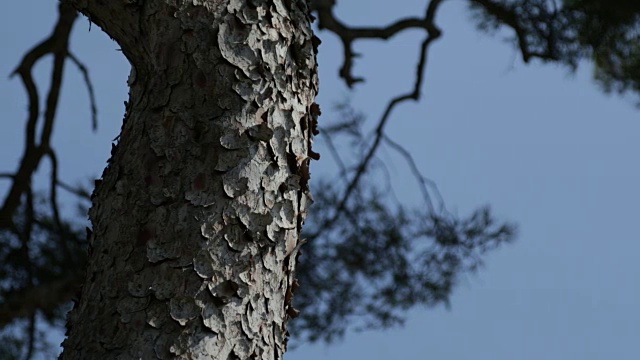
(197, 218)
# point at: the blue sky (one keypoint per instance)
(545, 148)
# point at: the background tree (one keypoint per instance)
(385, 315)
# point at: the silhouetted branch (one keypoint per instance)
(27, 290)
(56, 44)
(31, 330)
(334, 153)
(327, 20)
(433, 33)
(92, 97)
(53, 199)
(422, 180)
(77, 191)
(53, 203)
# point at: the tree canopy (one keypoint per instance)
(568, 32)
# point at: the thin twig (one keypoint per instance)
(423, 181)
(53, 198)
(92, 97)
(55, 209)
(335, 154)
(79, 191)
(31, 331)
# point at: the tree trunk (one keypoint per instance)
(197, 218)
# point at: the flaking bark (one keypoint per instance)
(197, 218)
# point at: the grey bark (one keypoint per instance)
(197, 218)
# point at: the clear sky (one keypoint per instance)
(546, 149)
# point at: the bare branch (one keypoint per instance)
(53, 202)
(433, 33)
(335, 154)
(77, 191)
(55, 44)
(348, 35)
(53, 198)
(92, 97)
(31, 330)
(422, 180)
